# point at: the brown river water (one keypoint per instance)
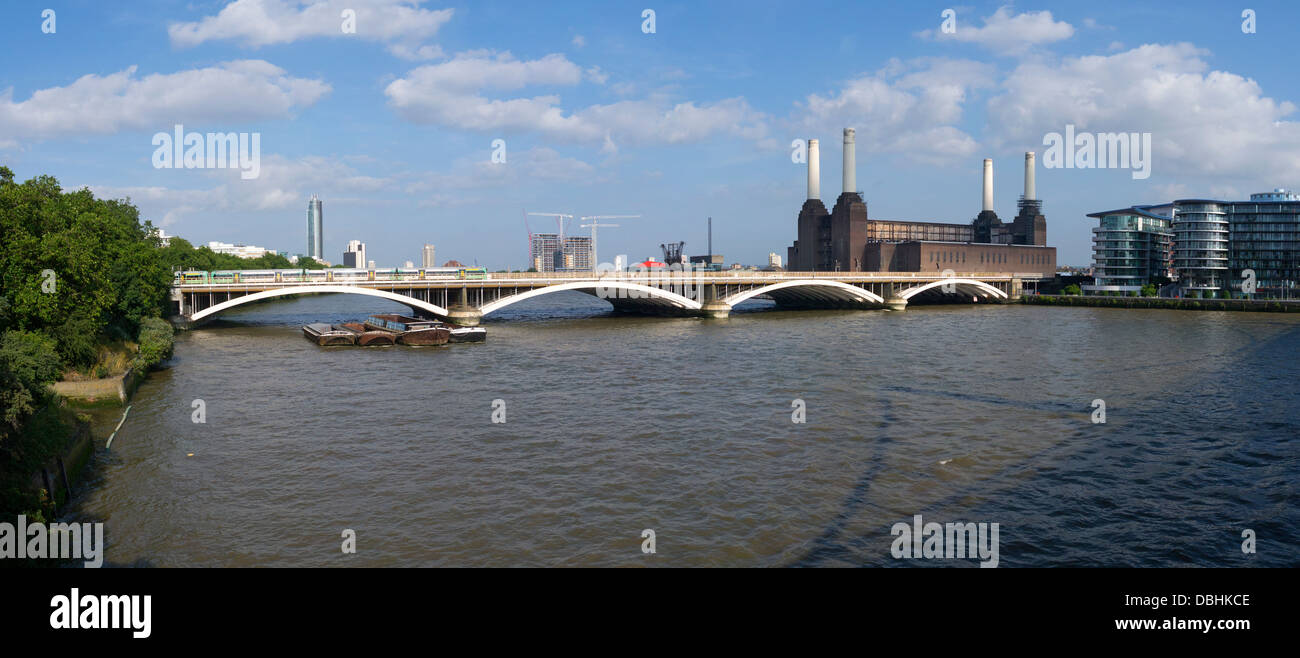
(619, 423)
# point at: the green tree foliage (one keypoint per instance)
(74, 267)
(181, 255)
(1150, 290)
(29, 363)
(156, 338)
(1072, 289)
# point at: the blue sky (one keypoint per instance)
(392, 126)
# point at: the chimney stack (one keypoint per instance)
(850, 169)
(988, 184)
(814, 170)
(1029, 175)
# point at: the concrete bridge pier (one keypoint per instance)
(462, 313)
(712, 306)
(894, 301)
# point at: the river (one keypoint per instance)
(615, 424)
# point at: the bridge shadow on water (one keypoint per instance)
(1223, 470)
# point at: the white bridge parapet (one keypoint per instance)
(678, 292)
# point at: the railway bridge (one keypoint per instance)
(705, 293)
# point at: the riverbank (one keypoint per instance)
(1255, 305)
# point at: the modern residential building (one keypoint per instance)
(1132, 247)
(575, 256)
(1215, 245)
(847, 239)
(355, 254)
(241, 250)
(773, 260)
(315, 229)
(542, 251)
(426, 257)
(1201, 245)
(549, 252)
(1265, 239)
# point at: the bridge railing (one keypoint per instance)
(650, 277)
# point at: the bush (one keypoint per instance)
(156, 343)
(1072, 289)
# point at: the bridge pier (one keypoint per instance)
(895, 301)
(466, 316)
(716, 310)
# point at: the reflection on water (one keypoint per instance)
(620, 423)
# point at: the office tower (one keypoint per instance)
(355, 254)
(315, 229)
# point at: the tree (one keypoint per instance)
(28, 365)
(1072, 289)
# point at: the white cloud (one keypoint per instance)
(906, 107)
(1203, 122)
(536, 164)
(579, 41)
(204, 99)
(1007, 33)
(258, 23)
(451, 94)
(404, 51)
(283, 184)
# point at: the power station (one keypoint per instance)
(846, 239)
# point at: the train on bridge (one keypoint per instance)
(330, 275)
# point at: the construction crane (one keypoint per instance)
(594, 225)
(559, 219)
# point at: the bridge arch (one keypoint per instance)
(835, 290)
(217, 309)
(653, 295)
(971, 286)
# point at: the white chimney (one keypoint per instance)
(988, 184)
(850, 169)
(814, 170)
(1029, 175)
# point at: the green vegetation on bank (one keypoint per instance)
(82, 282)
(1186, 303)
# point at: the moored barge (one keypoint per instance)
(461, 334)
(322, 334)
(366, 337)
(409, 330)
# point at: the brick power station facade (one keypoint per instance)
(846, 239)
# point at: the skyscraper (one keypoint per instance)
(426, 258)
(315, 229)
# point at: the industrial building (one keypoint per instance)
(847, 239)
(1205, 245)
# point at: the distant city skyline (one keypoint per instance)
(455, 120)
